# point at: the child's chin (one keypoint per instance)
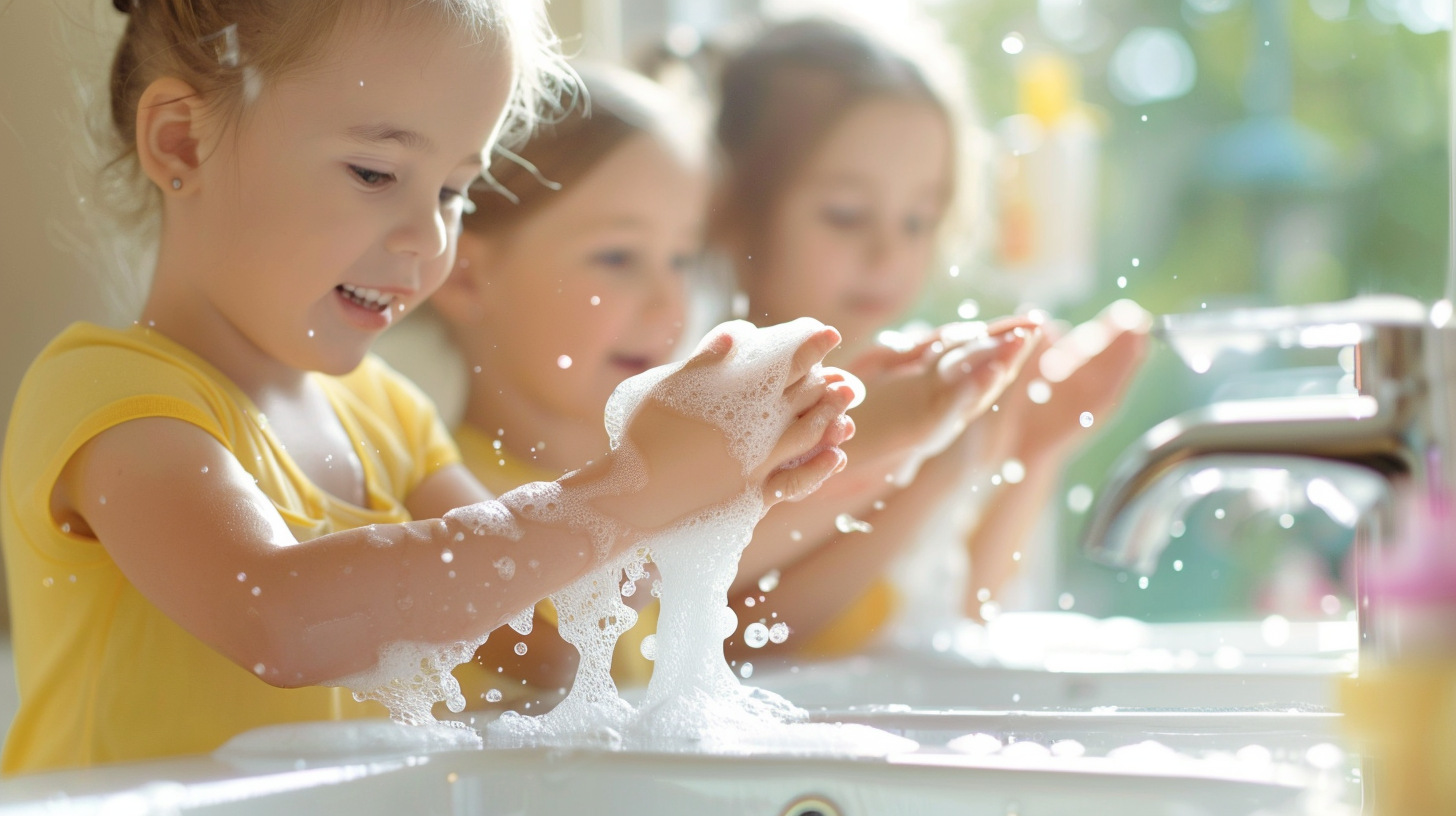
(333, 362)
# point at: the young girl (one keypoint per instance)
(841, 159)
(569, 280)
(213, 512)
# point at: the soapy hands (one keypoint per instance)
(686, 461)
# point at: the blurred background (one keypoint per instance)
(1188, 154)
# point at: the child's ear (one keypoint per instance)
(464, 298)
(168, 133)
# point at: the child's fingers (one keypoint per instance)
(807, 431)
(710, 350)
(804, 394)
(812, 351)
(798, 482)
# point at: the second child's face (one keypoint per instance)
(590, 289)
(853, 235)
(334, 208)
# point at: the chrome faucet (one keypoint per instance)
(1394, 428)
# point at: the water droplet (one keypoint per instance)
(778, 633)
(1065, 601)
(310, 332)
(1085, 419)
(520, 648)
(846, 523)
(968, 310)
(596, 301)
(1218, 513)
(446, 555)
(563, 361)
(1135, 261)
(955, 271)
(242, 576)
(257, 591)
(1121, 282)
(745, 671)
(1330, 605)
(755, 635)
(1286, 521)
(1016, 698)
(769, 582)
(983, 594)
(493, 696)
(749, 601)
(1178, 565)
(1079, 498)
(1039, 392)
(103, 500)
(204, 468)
(990, 610)
(258, 669)
(1143, 582)
(1177, 528)
(795, 535)
(65, 526)
(47, 582)
(1013, 471)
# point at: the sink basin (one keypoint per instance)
(931, 781)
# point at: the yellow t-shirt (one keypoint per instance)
(500, 473)
(104, 675)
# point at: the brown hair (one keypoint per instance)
(783, 94)
(618, 105)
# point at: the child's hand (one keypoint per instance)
(920, 399)
(687, 463)
(1084, 370)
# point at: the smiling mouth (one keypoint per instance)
(636, 365)
(371, 299)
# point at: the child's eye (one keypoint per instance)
(614, 258)
(371, 178)
(843, 217)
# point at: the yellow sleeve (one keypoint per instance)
(854, 627)
(87, 381)
(407, 415)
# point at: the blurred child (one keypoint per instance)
(842, 160)
(569, 279)
(212, 513)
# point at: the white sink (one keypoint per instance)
(931, 781)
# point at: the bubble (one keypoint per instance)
(563, 361)
(1121, 282)
(505, 566)
(1286, 521)
(1079, 498)
(1085, 419)
(1135, 262)
(968, 309)
(1013, 471)
(1219, 513)
(258, 669)
(648, 647)
(846, 523)
(1178, 565)
(1330, 605)
(1177, 528)
(596, 301)
(990, 610)
(1275, 630)
(1012, 43)
(204, 468)
(1068, 748)
(1143, 582)
(629, 588)
(755, 635)
(769, 582)
(1065, 601)
(745, 671)
(493, 696)
(1039, 391)
(1324, 756)
(795, 535)
(447, 556)
(257, 591)
(242, 576)
(520, 648)
(983, 594)
(778, 633)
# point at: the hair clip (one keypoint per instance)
(224, 45)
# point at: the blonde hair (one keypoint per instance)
(228, 49)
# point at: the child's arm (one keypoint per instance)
(189, 528)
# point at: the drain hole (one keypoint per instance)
(811, 806)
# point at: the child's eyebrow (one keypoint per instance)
(374, 134)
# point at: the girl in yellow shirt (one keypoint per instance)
(209, 514)
(566, 286)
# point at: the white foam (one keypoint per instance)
(694, 701)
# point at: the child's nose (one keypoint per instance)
(422, 231)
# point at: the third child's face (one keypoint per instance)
(853, 235)
(590, 290)
(334, 209)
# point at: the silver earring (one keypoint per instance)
(176, 184)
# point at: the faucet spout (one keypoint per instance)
(1345, 429)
